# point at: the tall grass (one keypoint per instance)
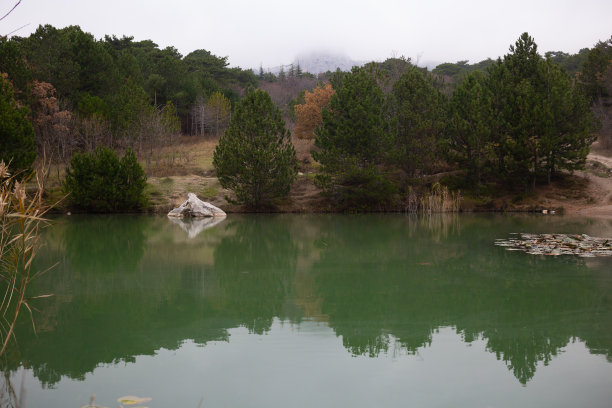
(438, 199)
(20, 222)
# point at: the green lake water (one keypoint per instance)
(315, 311)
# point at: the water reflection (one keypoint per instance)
(104, 244)
(129, 286)
(194, 226)
(408, 284)
(255, 265)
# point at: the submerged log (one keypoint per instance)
(194, 207)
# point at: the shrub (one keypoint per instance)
(101, 182)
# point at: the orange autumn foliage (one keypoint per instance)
(309, 113)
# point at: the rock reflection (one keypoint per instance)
(194, 226)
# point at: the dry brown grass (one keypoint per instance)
(20, 220)
(189, 155)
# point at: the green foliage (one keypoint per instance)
(169, 118)
(128, 104)
(90, 106)
(572, 63)
(460, 69)
(101, 182)
(255, 157)
(419, 114)
(70, 59)
(13, 63)
(592, 75)
(542, 122)
(569, 125)
(451, 69)
(352, 143)
(81, 67)
(16, 131)
(469, 125)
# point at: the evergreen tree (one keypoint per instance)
(541, 122)
(16, 131)
(101, 182)
(255, 157)
(419, 115)
(469, 125)
(597, 61)
(281, 74)
(352, 143)
(567, 131)
(516, 84)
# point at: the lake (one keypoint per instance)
(315, 311)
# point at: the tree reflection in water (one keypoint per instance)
(130, 286)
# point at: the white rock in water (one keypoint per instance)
(194, 207)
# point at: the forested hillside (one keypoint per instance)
(91, 76)
(381, 135)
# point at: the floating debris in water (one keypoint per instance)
(558, 244)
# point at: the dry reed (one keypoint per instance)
(21, 217)
(437, 200)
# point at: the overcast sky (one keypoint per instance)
(273, 32)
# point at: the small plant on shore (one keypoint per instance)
(101, 182)
(440, 200)
(437, 200)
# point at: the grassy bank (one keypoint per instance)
(187, 167)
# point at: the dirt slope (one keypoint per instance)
(599, 174)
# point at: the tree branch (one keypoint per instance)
(11, 10)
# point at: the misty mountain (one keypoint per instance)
(317, 62)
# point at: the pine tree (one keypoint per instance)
(255, 157)
(281, 74)
(567, 132)
(16, 131)
(541, 122)
(469, 125)
(420, 114)
(352, 143)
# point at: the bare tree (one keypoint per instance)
(210, 115)
(53, 127)
(91, 132)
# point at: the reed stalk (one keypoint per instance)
(437, 200)
(21, 217)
